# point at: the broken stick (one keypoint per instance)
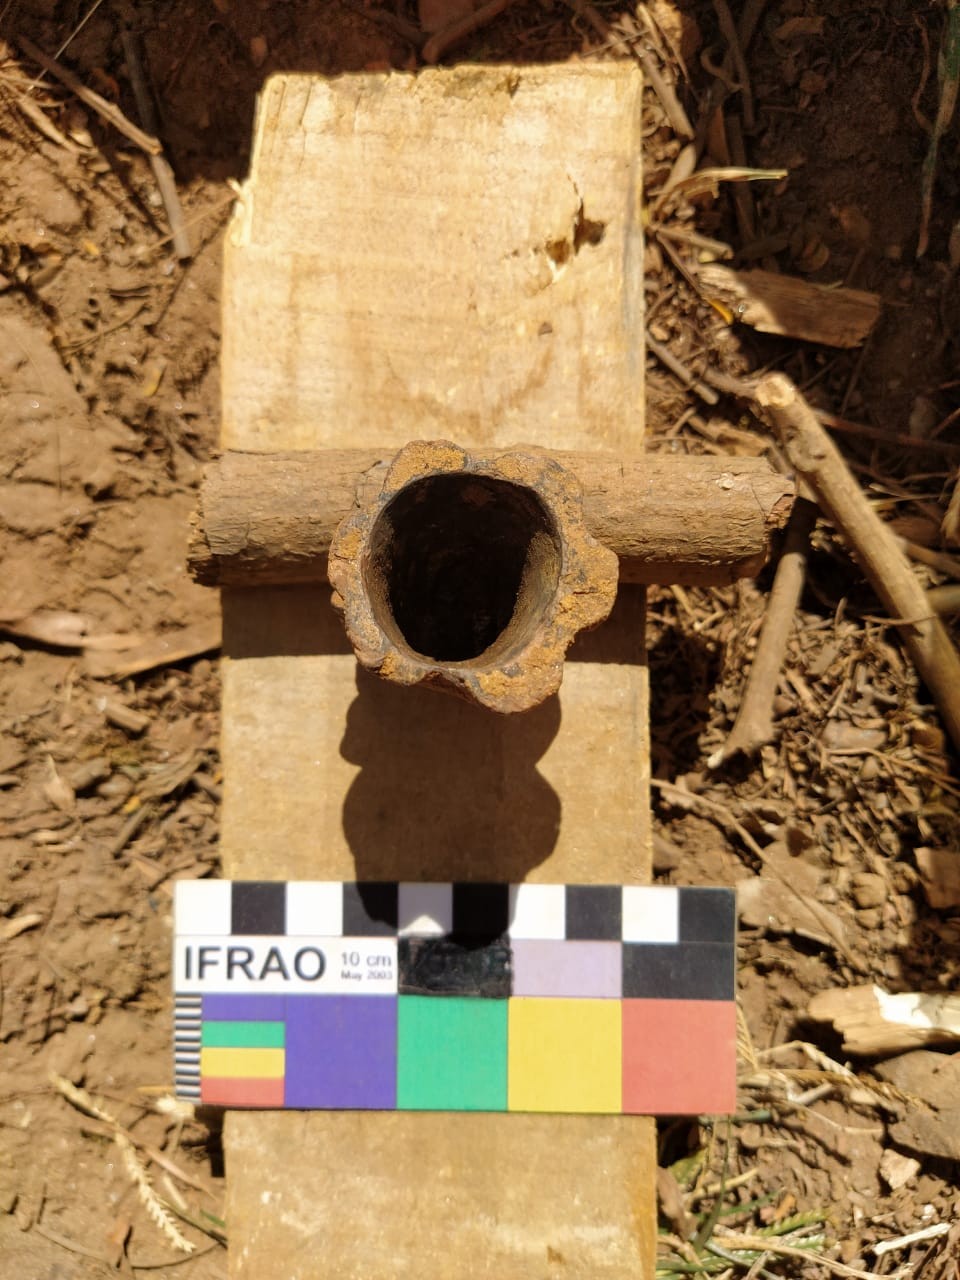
(162, 172)
(775, 303)
(99, 104)
(753, 727)
(875, 545)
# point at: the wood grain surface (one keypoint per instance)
(422, 253)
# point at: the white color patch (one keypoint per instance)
(425, 910)
(202, 907)
(314, 908)
(538, 911)
(651, 913)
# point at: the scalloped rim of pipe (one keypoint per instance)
(584, 595)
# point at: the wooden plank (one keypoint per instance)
(417, 253)
(391, 264)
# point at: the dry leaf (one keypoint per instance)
(854, 223)
(706, 181)
(671, 1204)
(153, 373)
(20, 924)
(768, 904)
(58, 627)
(112, 642)
(58, 791)
(434, 15)
(64, 629)
(794, 27)
(915, 528)
(951, 520)
(940, 876)
(77, 124)
(117, 1239)
(161, 650)
(814, 256)
(812, 82)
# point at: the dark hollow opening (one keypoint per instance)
(462, 565)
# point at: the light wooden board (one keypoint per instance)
(392, 274)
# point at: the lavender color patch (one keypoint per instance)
(549, 968)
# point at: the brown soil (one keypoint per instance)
(109, 698)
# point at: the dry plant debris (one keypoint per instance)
(840, 829)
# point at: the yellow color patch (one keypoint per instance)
(564, 1055)
(242, 1064)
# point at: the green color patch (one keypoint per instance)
(452, 1054)
(242, 1035)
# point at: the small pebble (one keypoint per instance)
(869, 889)
(116, 788)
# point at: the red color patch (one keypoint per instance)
(679, 1057)
(220, 1091)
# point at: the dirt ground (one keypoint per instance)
(109, 700)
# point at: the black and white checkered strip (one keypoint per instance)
(642, 914)
(187, 1012)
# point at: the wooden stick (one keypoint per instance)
(896, 439)
(103, 108)
(679, 120)
(820, 464)
(732, 37)
(680, 370)
(269, 518)
(753, 727)
(454, 32)
(162, 172)
(939, 560)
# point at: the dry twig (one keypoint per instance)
(948, 66)
(454, 32)
(162, 172)
(753, 727)
(680, 370)
(819, 463)
(113, 115)
(732, 37)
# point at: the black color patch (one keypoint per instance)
(708, 915)
(594, 912)
(447, 967)
(480, 911)
(678, 971)
(258, 906)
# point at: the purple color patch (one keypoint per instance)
(341, 1052)
(244, 1008)
(553, 968)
